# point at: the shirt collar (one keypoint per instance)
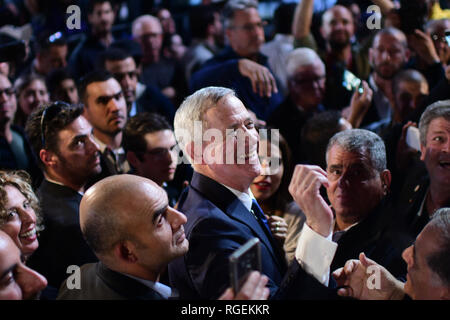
(244, 197)
(103, 146)
(162, 289)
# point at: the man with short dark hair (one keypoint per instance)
(207, 38)
(106, 110)
(62, 140)
(151, 150)
(139, 97)
(101, 18)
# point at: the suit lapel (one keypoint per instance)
(226, 201)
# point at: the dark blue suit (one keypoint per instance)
(218, 224)
(223, 71)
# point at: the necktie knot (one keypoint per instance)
(259, 214)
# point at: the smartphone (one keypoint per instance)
(244, 260)
(352, 82)
(447, 37)
(413, 138)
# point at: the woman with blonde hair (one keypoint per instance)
(19, 210)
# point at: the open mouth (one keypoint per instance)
(28, 234)
(444, 164)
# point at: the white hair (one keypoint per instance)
(301, 57)
(137, 23)
(192, 110)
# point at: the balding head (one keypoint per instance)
(108, 211)
(127, 222)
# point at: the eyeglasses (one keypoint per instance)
(8, 91)
(309, 80)
(49, 113)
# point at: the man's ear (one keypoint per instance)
(124, 251)
(49, 158)
(422, 152)
(386, 179)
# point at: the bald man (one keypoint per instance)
(127, 222)
(17, 281)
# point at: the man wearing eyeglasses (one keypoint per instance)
(240, 65)
(15, 152)
(68, 155)
(139, 97)
(106, 110)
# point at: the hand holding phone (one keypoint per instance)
(244, 260)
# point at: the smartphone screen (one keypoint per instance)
(447, 37)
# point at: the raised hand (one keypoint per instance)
(263, 82)
(305, 189)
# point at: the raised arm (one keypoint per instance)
(301, 25)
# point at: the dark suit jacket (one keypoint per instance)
(98, 282)
(223, 71)
(152, 100)
(376, 237)
(217, 225)
(61, 244)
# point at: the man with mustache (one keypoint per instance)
(128, 223)
(68, 155)
(388, 55)
(338, 30)
(106, 110)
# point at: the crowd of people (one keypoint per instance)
(330, 143)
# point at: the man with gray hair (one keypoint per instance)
(156, 69)
(357, 184)
(221, 211)
(425, 192)
(306, 76)
(240, 65)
